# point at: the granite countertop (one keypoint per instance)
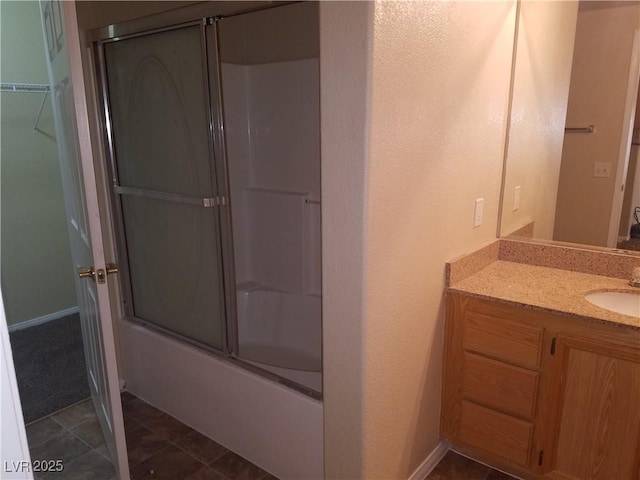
(549, 289)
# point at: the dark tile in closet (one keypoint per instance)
(457, 467)
(89, 432)
(42, 430)
(237, 468)
(167, 427)
(170, 463)
(64, 446)
(104, 451)
(142, 443)
(76, 414)
(201, 447)
(90, 466)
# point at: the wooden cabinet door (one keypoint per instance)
(594, 422)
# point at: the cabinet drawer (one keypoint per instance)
(496, 433)
(503, 339)
(498, 385)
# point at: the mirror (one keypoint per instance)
(576, 65)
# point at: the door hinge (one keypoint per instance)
(553, 346)
(540, 457)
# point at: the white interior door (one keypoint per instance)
(85, 231)
(14, 449)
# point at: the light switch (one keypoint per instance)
(477, 220)
(516, 199)
(602, 169)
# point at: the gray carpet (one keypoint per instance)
(50, 366)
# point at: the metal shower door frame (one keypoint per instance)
(218, 203)
(220, 183)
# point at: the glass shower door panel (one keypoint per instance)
(270, 79)
(165, 180)
(158, 111)
(172, 262)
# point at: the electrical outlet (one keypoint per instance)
(477, 219)
(516, 199)
(602, 169)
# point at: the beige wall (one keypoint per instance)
(37, 274)
(345, 58)
(546, 33)
(599, 79)
(412, 135)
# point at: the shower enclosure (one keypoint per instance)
(212, 130)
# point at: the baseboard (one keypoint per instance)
(43, 319)
(431, 461)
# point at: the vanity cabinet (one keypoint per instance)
(541, 395)
(595, 409)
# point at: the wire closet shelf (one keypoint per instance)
(29, 88)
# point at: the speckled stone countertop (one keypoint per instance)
(545, 288)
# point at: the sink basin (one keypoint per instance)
(627, 303)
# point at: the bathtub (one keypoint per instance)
(281, 332)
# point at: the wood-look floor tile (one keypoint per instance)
(75, 415)
(457, 467)
(167, 427)
(65, 447)
(142, 443)
(237, 468)
(90, 466)
(140, 411)
(170, 463)
(206, 473)
(89, 432)
(42, 430)
(201, 447)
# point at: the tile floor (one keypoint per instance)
(456, 467)
(160, 447)
(73, 436)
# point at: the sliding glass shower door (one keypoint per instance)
(165, 191)
(270, 82)
(214, 137)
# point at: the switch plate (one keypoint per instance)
(477, 219)
(602, 169)
(516, 199)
